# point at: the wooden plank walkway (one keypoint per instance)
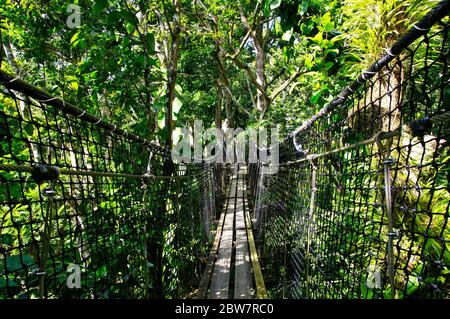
(233, 269)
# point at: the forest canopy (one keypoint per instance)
(152, 66)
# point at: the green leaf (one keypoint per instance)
(74, 37)
(29, 129)
(176, 105)
(278, 28)
(161, 120)
(94, 97)
(328, 51)
(413, 285)
(131, 18)
(318, 38)
(315, 98)
(328, 65)
(309, 61)
(74, 85)
(140, 61)
(150, 41)
(275, 4)
(114, 17)
(304, 7)
(328, 26)
(326, 18)
(267, 8)
(102, 272)
(100, 5)
(130, 27)
(307, 27)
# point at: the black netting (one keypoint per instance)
(359, 207)
(325, 223)
(131, 235)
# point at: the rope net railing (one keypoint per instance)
(359, 207)
(81, 196)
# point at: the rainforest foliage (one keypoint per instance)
(156, 65)
(153, 67)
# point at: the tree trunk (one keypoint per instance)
(380, 110)
(218, 114)
(261, 102)
(172, 72)
(219, 56)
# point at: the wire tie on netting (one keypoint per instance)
(40, 273)
(82, 113)
(389, 52)
(298, 147)
(367, 72)
(50, 99)
(115, 128)
(99, 120)
(350, 89)
(17, 77)
(419, 28)
(389, 161)
(37, 102)
(49, 192)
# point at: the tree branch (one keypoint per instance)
(250, 91)
(276, 77)
(167, 18)
(252, 77)
(285, 84)
(235, 100)
(241, 46)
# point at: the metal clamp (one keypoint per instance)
(389, 161)
(48, 192)
(395, 234)
(38, 273)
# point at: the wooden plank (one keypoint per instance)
(243, 286)
(233, 187)
(261, 292)
(206, 277)
(240, 187)
(220, 280)
(240, 218)
(234, 218)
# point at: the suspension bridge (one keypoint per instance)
(359, 206)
